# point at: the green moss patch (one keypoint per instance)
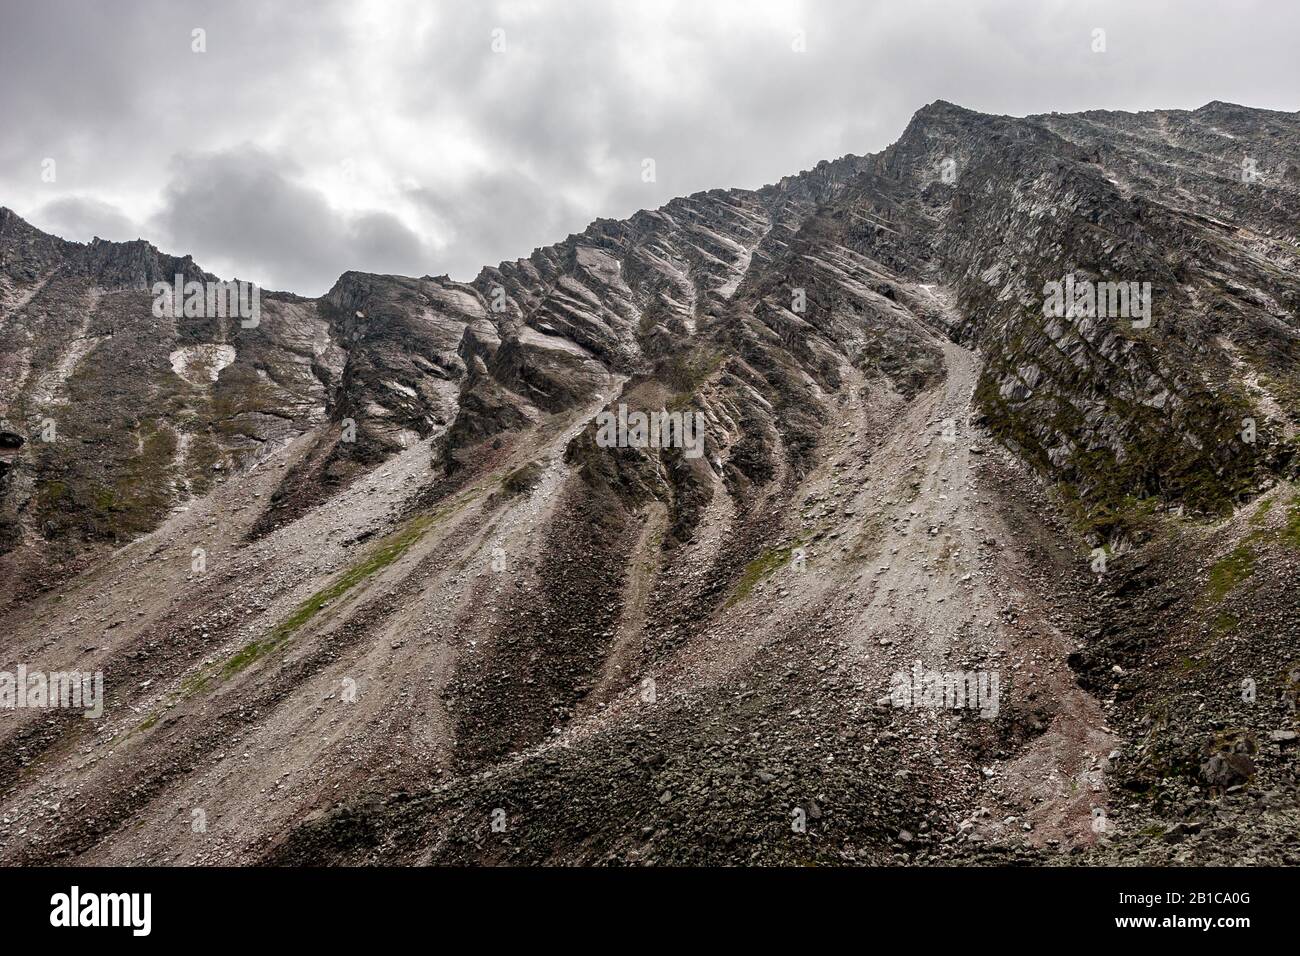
(1230, 571)
(1291, 530)
(761, 567)
(381, 556)
(684, 373)
(1261, 512)
(388, 551)
(1114, 492)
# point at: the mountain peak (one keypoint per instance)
(1216, 105)
(943, 108)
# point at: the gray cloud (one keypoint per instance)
(88, 216)
(390, 136)
(243, 207)
(506, 210)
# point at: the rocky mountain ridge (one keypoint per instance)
(364, 585)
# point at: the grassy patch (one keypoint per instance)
(114, 498)
(1226, 622)
(762, 566)
(380, 557)
(1291, 530)
(1103, 521)
(1114, 492)
(1230, 571)
(685, 372)
(1261, 512)
(388, 551)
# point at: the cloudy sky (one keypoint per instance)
(414, 136)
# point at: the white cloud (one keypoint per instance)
(459, 156)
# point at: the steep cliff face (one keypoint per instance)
(382, 538)
(1119, 408)
(126, 414)
(377, 363)
(1124, 411)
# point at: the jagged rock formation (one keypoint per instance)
(365, 586)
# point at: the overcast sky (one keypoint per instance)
(414, 137)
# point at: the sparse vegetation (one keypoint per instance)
(1230, 571)
(384, 554)
(522, 479)
(1291, 530)
(761, 567)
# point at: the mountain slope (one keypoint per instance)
(366, 586)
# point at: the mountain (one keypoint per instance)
(1008, 408)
